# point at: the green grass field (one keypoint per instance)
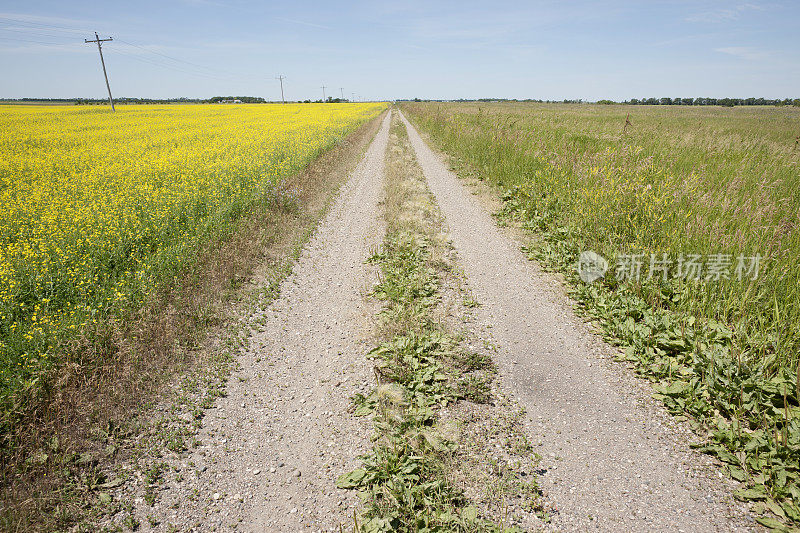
(692, 195)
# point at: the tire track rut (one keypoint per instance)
(271, 449)
(610, 463)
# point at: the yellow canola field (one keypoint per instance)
(95, 206)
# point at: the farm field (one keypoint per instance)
(404, 307)
(97, 210)
(482, 268)
(696, 211)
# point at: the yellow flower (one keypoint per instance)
(94, 204)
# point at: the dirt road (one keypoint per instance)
(611, 462)
(271, 449)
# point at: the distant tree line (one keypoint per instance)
(242, 99)
(54, 100)
(330, 100)
(725, 102)
(126, 100)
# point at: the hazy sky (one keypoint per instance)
(405, 49)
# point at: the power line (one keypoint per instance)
(168, 66)
(143, 48)
(164, 65)
(171, 66)
(26, 31)
(41, 25)
(167, 56)
(281, 77)
(100, 42)
(14, 39)
(218, 74)
(44, 29)
(38, 27)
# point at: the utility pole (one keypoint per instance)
(282, 77)
(342, 92)
(100, 42)
(323, 92)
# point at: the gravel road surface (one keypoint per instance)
(612, 460)
(271, 449)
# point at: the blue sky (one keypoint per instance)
(407, 49)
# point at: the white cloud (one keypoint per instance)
(743, 52)
(723, 15)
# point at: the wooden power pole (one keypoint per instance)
(281, 77)
(100, 42)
